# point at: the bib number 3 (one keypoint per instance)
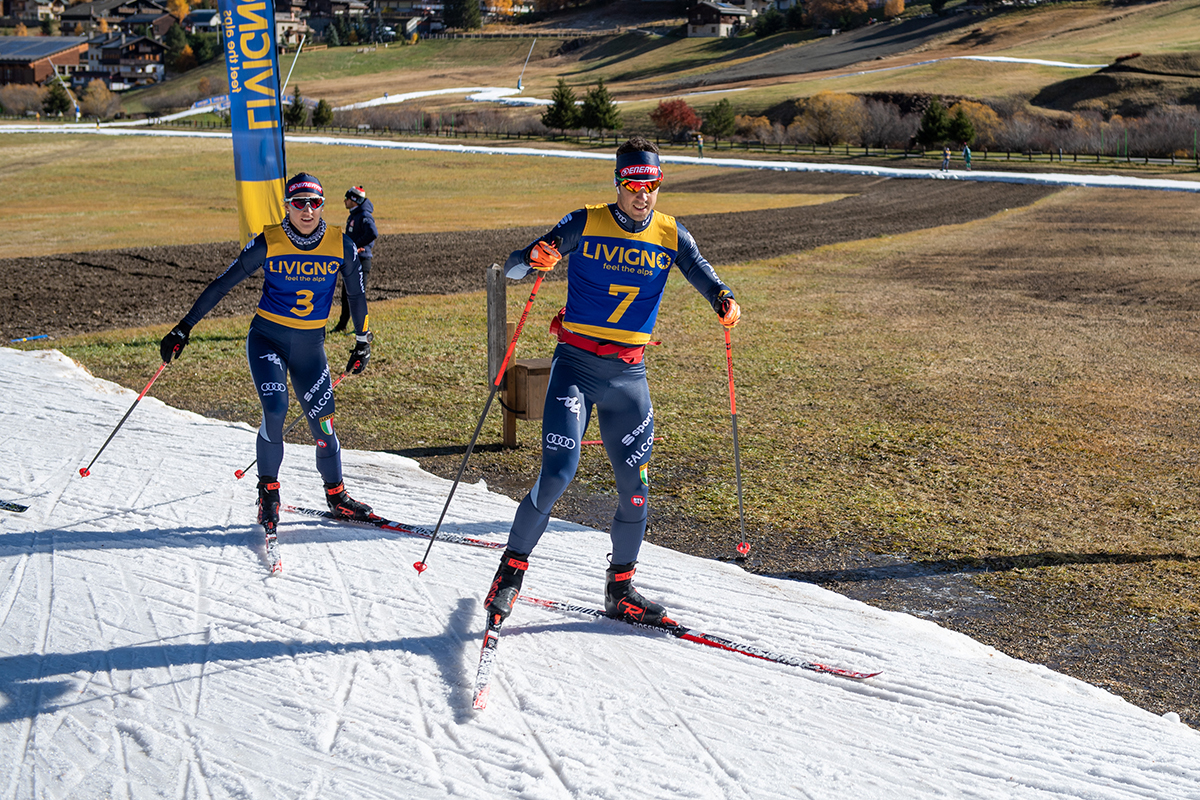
(304, 305)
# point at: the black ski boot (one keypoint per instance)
(506, 586)
(622, 601)
(268, 502)
(343, 505)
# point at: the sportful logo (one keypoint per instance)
(630, 437)
(309, 394)
(573, 404)
(555, 441)
(271, 388)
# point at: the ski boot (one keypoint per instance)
(343, 505)
(623, 602)
(268, 517)
(268, 503)
(506, 586)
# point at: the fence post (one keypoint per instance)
(497, 318)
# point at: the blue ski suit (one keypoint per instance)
(616, 274)
(287, 334)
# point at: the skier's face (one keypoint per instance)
(636, 200)
(307, 216)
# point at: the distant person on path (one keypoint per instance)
(945, 158)
(621, 255)
(360, 227)
(300, 259)
(966, 154)
(700, 144)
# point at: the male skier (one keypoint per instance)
(621, 254)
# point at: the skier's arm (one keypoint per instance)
(249, 261)
(700, 273)
(569, 229)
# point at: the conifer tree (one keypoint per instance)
(599, 111)
(297, 113)
(57, 100)
(562, 114)
(960, 129)
(935, 125)
(322, 114)
(719, 121)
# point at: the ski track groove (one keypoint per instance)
(45, 610)
(342, 696)
(721, 775)
(16, 577)
(553, 762)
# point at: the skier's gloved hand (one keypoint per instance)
(543, 256)
(361, 353)
(174, 342)
(727, 309)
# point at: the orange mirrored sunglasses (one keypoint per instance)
(641, 186)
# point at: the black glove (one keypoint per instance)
(361, 354)
(174, 342)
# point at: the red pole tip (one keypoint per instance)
(743, 547)
(238, 474)
(420, 566)
(84, 472)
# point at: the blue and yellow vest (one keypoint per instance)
(299, 285)
(617, 278)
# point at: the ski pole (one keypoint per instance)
(743, 546)
(241, 473)
(85, 471)
(421, 566)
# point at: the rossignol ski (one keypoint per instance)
(17, 507)
(398, 527)
(487, 661)
(274, 558)
(721, 643)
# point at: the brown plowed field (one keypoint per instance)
(80, 292)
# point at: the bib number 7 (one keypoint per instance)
(630, 293)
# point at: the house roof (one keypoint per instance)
(725, 8)
(101, 8)
(26, 49)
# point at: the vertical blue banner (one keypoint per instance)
(255, 112)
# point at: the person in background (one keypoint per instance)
(301, 259)
(360, 227)
(621, 255)
(966, 154)
(945, 158)
(700, 144)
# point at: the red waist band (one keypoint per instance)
(630, 355)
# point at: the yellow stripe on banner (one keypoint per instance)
(260, 203)
(303, 324)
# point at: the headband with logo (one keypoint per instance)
(639, 165)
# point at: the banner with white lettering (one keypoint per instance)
(255, 112)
